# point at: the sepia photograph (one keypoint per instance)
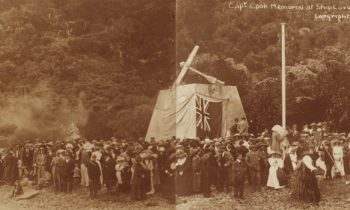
(174, 104)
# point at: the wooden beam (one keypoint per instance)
(186, 65)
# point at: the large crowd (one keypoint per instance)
(274, 158)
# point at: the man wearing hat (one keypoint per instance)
(58, 170)
(183, 174)
(264, 164)
(254, 168)
(239, 174)
(94, 176)
(206, 171)
(68, 171)
(109, 172)
(225, 160)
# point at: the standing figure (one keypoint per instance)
(10, 164)
(225, 160)
(196, 168)
(205, 168)
(338, 156)
(306, 188)
(276, 163)
(138, 191)
(109, 173)
(183, 174)
(328, 158)
(58, 170)
(254, 167)
(94, 176)
(68, 171)
(264, 163)
(40, 161)
(239, 173)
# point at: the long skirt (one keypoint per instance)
(305, 187)
(84, 175)
(272, 180)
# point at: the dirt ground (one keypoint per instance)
(335, 195)
(79, 199)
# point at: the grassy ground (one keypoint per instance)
(335, 195)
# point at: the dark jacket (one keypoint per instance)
(93, 170)
(68, 169)
(109, 170)
(239, 171)
(11, 173)
(253, 161)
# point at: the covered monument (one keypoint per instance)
(195, 110)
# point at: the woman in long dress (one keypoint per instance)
(306, 187)
(276, 162)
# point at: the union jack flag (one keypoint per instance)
(202, 114)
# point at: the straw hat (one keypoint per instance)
(180, 153)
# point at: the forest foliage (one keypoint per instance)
(96, 63)
(243, 48)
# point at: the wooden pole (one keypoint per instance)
(186, 65)
(284, 116)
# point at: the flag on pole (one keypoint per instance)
(208, 117)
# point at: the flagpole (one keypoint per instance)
(284, 117)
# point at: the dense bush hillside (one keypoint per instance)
(243, 48)
(96, 63)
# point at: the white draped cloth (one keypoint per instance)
(272, 180)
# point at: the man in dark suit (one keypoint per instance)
(109, 172)
(224, 163)
(68, 171)
(239, 174)
(94, 176)
(205, 168)
(254, 167)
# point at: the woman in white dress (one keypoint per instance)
(275, 162)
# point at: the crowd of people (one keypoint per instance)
(274, 159)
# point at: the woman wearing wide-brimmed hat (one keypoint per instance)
(183, 174)
(276, 163)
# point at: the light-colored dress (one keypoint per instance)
(338, 161)
(272, 180)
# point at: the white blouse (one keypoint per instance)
(308, 162)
